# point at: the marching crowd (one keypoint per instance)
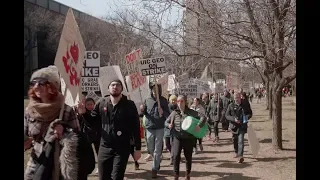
(113, 126)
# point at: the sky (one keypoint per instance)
(104, 8)
(97, 8)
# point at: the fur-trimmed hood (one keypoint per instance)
(68, 157)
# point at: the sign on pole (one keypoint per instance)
(191, 90)
(70, 54)
(232, 80)
(132, 60)
(219, 88)
(152, 66)
(69, 61)
(90, 71)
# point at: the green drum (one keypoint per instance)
(189, 123)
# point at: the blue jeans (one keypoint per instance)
(155, 143)
(238, 143)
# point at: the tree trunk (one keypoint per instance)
(268, 94)
(277, 119)
(271, 94)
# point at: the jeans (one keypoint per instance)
(187, 146)
(112, 163)
(238, 143)
(216, 128)
(155, 143)
(169, 144)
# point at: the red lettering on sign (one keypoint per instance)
(137, 80)
(70, 66)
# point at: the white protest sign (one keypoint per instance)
(189, 89)
(68, 99)
(232, 80)
(203, 86)
(132, 60)
(246, 86)
(70, 54)
(253, 141)
(219, 88)
(171, 82)
(163, 81)
(183, 78)
(139, 95)
(107, 74)
(93, 95)
(152, 66)
(90, 71)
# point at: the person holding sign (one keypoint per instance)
(155, 118)
(43, 126)
(182, 139)
(120, 123)
(238, 115)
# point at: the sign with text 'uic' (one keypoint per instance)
(191, 90)
(132, 60)
(152, 66)
(90, 71)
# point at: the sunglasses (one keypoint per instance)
(180, 101)
(40, 82)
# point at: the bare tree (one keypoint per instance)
(258, 32)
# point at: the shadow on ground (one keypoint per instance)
(168, 174)
(272, 159)
(234, 165)
(269, 140)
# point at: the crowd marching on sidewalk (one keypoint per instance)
(114, 126)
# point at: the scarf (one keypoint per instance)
(45, 112)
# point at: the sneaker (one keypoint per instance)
(195, 151)
(148, 157)
(154, 174)
(241, 160)
(97, 171)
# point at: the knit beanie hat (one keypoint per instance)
(118, 81)
(49, 73)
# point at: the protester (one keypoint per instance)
(182, 139)
(197, 107)
(155, 118)
(167, 132)
(226, 100)
(90, 126)
(120, 121)
(214, 112)
(42, 124)
(205, 102)
(238, 114)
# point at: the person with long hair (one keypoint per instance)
(182, 139)
(167, 132)
(43, 126)
(197, 107)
